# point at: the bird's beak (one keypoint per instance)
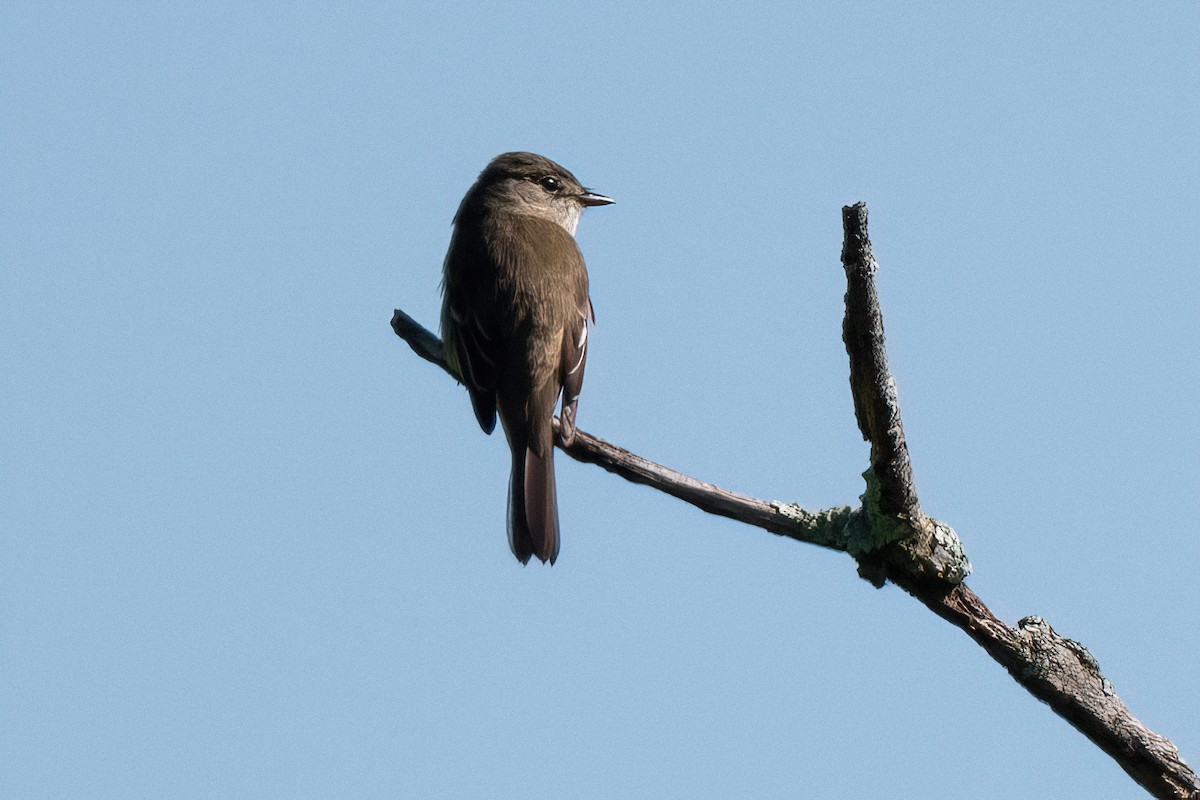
(590, 198)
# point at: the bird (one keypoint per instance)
(514, 323)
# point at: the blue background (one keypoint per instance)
(253, 547)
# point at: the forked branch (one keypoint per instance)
(892, 539)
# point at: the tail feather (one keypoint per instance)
(518, 530)
(533, 506)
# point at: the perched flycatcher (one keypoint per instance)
(515, 317)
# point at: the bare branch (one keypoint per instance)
(899, 530)
(892, 538)
(422, 342)
(832, 528)
(1063, 674)
(876, 406)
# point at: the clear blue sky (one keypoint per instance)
(250, 546)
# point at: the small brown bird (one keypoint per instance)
(515, 317)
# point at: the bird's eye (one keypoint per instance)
(550, 183)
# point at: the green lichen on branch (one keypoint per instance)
(923, 547)
(828, 527)
(880, 529)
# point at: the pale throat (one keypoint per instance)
(570, 220)
(564, 215)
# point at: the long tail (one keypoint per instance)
(532, 505)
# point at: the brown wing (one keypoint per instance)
(571, 366)
(469, 331)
